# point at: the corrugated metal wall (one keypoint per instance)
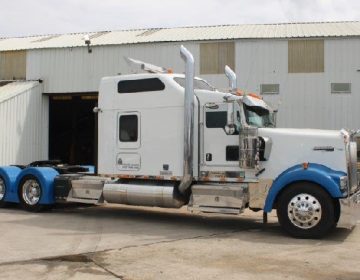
(306, 99)
(24, 123)
(75, 70)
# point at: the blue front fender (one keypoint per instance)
(325, 177)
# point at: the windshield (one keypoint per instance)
(198, 84)
(259, 116)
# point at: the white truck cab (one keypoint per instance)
(238, 158)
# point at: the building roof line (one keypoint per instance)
(186, 33)
(182, 27)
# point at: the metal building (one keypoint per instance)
(23, 122)
(309, 70)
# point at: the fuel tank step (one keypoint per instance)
(219, 198)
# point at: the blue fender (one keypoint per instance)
(9, 174)
(325, 177)
(45, 176)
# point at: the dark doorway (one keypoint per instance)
(72, 129)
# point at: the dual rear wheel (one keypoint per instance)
(30, 193)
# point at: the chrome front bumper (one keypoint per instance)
(350, 210)
(350, 206)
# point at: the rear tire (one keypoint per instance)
(306, 210)
(30, 193)
(2, 193)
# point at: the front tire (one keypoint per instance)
(306, 210)
(30, 192)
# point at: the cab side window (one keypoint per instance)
(216, 119)
(128, 130)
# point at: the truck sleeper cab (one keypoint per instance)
(171, 140)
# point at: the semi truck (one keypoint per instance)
(172, 140)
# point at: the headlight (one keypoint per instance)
(343, 183)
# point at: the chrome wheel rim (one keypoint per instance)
(304, 211)
(31, 192)
(2, 189)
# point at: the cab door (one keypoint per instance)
(128, 141)
(220, 151)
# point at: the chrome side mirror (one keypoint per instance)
(230, 123)
(230, 129)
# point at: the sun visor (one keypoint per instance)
(255, 102)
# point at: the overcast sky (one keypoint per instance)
(35, 17)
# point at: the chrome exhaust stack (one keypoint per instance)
(230, 124)
(230, 74)
(188, 119)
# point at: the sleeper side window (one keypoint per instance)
(128, 130)
(141, 85)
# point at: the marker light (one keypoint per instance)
(254, 95)
(239, 92)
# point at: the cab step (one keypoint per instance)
(219, 198)
(220, 210)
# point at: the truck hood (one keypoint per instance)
(296, 146)
(313, 133)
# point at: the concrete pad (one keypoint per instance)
(122, 242)
(75, 230)
(240, 255)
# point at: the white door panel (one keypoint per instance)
(128, 141)
(215, 138)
